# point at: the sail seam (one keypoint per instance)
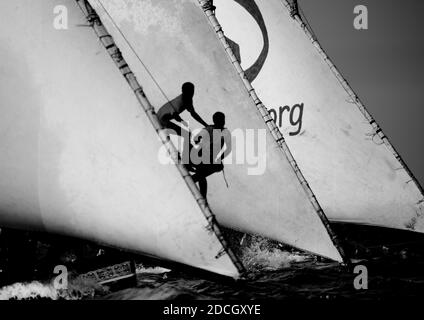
(116, 55)
(208, 9)
(355, 98)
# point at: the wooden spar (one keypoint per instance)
(114, 52)
(208, 8)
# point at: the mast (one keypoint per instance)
(209, 10)
(114, 52)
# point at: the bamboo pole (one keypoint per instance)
(114, 52)
(208, 8)
(376, 127)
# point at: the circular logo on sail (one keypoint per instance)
(248, 37)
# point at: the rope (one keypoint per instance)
(225, 179)
(145, 104)
(135, 53)
(305, 19)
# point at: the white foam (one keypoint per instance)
(30, 290)
(153, 270)
(259, 255)
(78, 288)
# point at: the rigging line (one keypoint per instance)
(302, 14)
(225, 178)
(144, 103)
(134, 51)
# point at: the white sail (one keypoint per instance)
(77, 154)
(167, 43)
(354, 171)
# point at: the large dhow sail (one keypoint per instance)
(77, 154)
(350, 164)
(167, 43)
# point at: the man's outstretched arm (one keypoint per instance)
(198, 118)
(178, 118)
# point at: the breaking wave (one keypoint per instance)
(78, 289)
(28, 291)
(261, 254)
(140, 269)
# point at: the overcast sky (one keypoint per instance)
(384, 64)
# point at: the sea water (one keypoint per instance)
(275, 274)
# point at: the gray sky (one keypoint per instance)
(384, 64)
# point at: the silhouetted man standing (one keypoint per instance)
(215, 145)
